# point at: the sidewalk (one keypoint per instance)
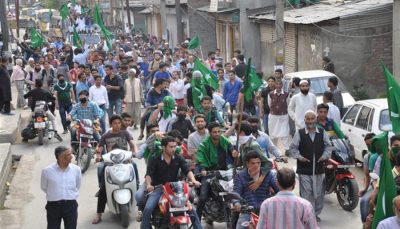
(9, 123)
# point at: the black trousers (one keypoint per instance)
(66, 210)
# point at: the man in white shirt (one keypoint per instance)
(177, 88)
(300, 103)
(394, 221)
(333, 112)
(98, 94)
(61, 182)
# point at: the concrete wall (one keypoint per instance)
(203, 25)
(356, 59)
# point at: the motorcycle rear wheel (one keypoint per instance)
(124, 210)
(347, 194)
(83, 159)
(40, 134)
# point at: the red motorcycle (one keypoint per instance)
(174, 206)
(338, 177)
(83, 148)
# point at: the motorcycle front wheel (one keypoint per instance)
(347, 194)
(124, 215)
(83, 159)
(40, 134)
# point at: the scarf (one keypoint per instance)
(198, 92)
(156, 150)
(207, 154)
(169, 105)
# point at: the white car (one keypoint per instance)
(365, 116)
(319, 84)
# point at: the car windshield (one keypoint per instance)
(320, 85)
(384, 123)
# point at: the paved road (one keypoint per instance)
(34, 214)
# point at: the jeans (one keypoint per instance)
(103, 119)
(364, 205)
(152, 203)
(60, 210)
(265, 123)
(64, 110)
(203, 197)
(115, 107)
(244, 217)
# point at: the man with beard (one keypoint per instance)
(198, 136)
(300, 103)
(34, 75)
(5, 88)
(394, 221)
(311, 148)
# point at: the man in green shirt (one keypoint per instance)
(65, 98)
(329, 125)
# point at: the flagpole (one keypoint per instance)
(236, 160)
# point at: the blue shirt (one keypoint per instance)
(81, 86)
(145, 68)
(255, 199)
(153, 98)
(92, 111)
(231, 92)
(162, 75)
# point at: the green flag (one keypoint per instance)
(208, 77)
(393, 98)
(387, 190)
(73, 3)
(380, 143)
(76, 39)
(64, 11)
(37, 39)
(99, 21)
(194, 43)
(251, 82)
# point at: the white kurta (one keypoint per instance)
(299, 105)
(278, 126)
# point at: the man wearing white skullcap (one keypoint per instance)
(300, 103)
(311, 147)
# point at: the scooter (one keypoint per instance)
(338, 177)
(83, 148)
(174, 206)
(120, 183)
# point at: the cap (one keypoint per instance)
(303, 81)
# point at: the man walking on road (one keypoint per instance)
(61, 182)
(311, 147)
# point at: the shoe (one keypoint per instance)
(135, 127)
(56, 135)
(139, 216)
(25, 107)
(140, 137)
(97, 194)
(287, 153)
(10, 113)
(24, 140)
(96, 220)
(65, 132)
(209, 222)
(318, 219)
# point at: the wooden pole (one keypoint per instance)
(240, 112)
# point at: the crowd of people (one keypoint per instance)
(143, 83)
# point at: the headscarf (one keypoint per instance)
(169, 105)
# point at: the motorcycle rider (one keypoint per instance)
(40, 94)
(116, 138)
(329, 125)
(213, 153)
(85, 109)
(156, 175)
(241, 187)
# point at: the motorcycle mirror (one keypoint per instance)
(235, 196)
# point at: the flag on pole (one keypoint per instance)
(99, 21)
(194, 43)
(393, 98)
(208, 77)
(387, 188)
(37, 39)
(76, 39)
(50, 14)
(251, 82)
(64, 11)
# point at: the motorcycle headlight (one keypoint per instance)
(89, 130)
(117, 158)
(226, 185)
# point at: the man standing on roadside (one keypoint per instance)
(61, 182)
(337, 94)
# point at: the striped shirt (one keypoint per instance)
(92, 111)
(286, 211)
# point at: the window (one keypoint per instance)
(371, 118)
(363, 117)
(352, 114)
(320, 85)
(384, 121)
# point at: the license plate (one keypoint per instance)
(86, 136)
(40, 125)
(180, 209)
(223, 193)
(346, 166)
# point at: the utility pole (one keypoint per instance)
(4, 25)
(396, 39)
(112, 19)
(179, 27)
(128, 13)
(163, 11)
(280, 34)
(17, 16)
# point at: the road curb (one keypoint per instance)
(5, 166)
(9, 127)
(11, 215)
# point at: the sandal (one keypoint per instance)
(96, 220)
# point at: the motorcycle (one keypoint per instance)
(338, 177)
(120, 183)
(245, 209)
(83, 148)
(217, 207)
(174, 206)
(42, 126)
